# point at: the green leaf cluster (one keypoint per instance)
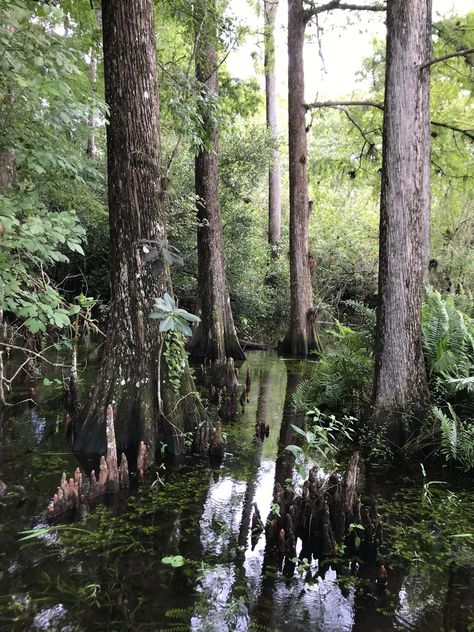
(171, 317)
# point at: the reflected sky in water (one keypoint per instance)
(229, 582)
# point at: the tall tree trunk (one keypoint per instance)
(300, 338)
(274, 189)
(215, 337)
(400, 378)
(7, 179)
(129, 376)
(91, 148)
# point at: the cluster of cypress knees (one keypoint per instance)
(328, 516)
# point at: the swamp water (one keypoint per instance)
(106, 571)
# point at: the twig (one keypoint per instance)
(37, 355)
(181, 399)
(23, 401)
(453, 128)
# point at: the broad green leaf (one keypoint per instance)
(166, 324)
(294, 449)
(174, 560)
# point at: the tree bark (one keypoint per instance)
(129, 374)
(400, 378)
(7, 179)
(91, 149)
(215, 337)
(300, 338)
(274, 188)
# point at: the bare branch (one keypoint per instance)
(314, 9)
(453, 128)
(33, 353)
(358, 127)
(340, 104)
(23, 401)
(457, 53)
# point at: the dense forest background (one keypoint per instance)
(52, 86)
(54, 229)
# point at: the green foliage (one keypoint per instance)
(33, 238)
(448, 341)
(457, 437)
(342, 378)
(171, 317)
(431, 535)
(175, 561)
(174, 323)
(175, 356)
(45, 102)
(323, 436)
(341, 381)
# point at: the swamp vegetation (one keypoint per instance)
(236, 325)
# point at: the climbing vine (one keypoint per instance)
(173, 352)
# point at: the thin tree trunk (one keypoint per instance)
(215, 337)
(400, 377)
(300, 338)
(274, 188)
(7, 179)
(91, 148)
(129, 374)
(7, 169)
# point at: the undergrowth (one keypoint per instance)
(341, 382)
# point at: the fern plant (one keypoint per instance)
(342, 379)
(457, 437)
(448, 341)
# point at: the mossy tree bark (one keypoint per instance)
(400, 384)
(300, 338)
(129, 374)
(274, 187)
(215, 337)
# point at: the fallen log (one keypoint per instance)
(250, 345)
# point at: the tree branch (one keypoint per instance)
(313, 9)
(453, 128)
(457, 53)
(33, 353)
(339, 105)
(356, 125)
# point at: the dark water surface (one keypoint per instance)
(105, 572)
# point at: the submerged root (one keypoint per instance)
(72, 493)
(326, 515)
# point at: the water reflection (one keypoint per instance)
(229, 582)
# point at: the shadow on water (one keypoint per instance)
(106, 572)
